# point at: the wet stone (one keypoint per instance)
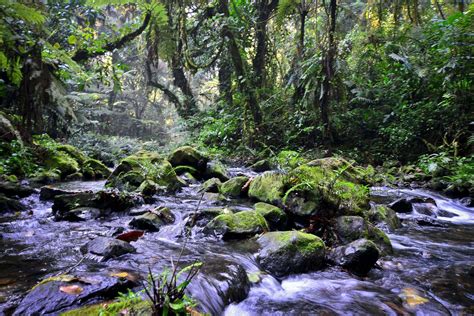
(358, 257)
(148, 221)
(106, 248)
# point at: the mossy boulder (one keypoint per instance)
(212, 185)
(346, 170)
(61, 161)
(215, 169)
(149, 188)
(73, 152)
(144, 165)
(268, 187)
(94, 169)
(188, 156)
(275, 216)
(234, 187)
(289, 252)
(204, 216)
(236, 226)
(384, 217)
(320, 191)
(45, 177)
(358, 257)
(350, 228)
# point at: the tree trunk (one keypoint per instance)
(298, 84)
(225, 79)
(328, 65)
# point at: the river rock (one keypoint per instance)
(94, 169)
(148, 221)
(48, 192)
(405, 205)
(261, 166)
(215, 169)
(224, 281)
(384, 216)
(107, 247)
(15, 189)
(288, 252)
(237, 226)
(204, 216)
(212, 185)
(188, 156)
(10, 205)
(268, 187)
(275, 216)
(47, 298)
(358, 257)
(234, 187)
(350, 228)
(427, 209)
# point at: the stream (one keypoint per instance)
(433, 259)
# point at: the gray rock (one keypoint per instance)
(10, 205)
(358, 257)
(107, 247)
(148, 221)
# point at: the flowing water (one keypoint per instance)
(430, 273)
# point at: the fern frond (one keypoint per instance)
(22, 12)
(285, 7)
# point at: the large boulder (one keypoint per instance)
(268, 187)
(188, 156)
(48, 192)
(212, 185)
(358, 257)
(106, 248)
(15, 189)
(144, 165)
(236, 226)
(58, 294)
(350, 228)
(234, 187)
(275, 216)
(288, 252)
(63, 162)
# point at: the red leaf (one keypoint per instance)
(130, 236)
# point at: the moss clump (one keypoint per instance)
(73, 152)
(275, 216)
(268, 187)
(144, 165)
(63, 162)
(233, 187)
(94, 169)
(238, 225)
(212, 185)
(346, 170)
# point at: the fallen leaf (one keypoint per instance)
(412, 298)
(88, 280)
(119, 274)
(130, 236)
(71, 289)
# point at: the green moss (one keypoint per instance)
(62, 162)
(134, 169)
(73, 152)
(237, 225)
(188, 156)
(274, 216)
(268, 187)
(133, 307)
(295, 241)
(94, 169)
(233, 187)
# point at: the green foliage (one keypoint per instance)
(16, 159)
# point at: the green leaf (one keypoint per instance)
(72, 40)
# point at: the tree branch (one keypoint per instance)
(84, 54)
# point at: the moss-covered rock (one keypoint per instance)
(61, 161)
(144, 165)
(346, 170)
(275, 216)
(94, 169)
(204, 216)
(150, 188)
(350, 228)
(314, 189)
(74, 177)
(233, 187)
(239, 225)
(268, 187)
(358, 257)
(73, 152)
(215, 169)
(188, 156)
(288, 252)
(384, 216)
(45, 177)
(212, 185)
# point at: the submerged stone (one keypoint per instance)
(289, 252)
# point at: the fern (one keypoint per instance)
(285, 7)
